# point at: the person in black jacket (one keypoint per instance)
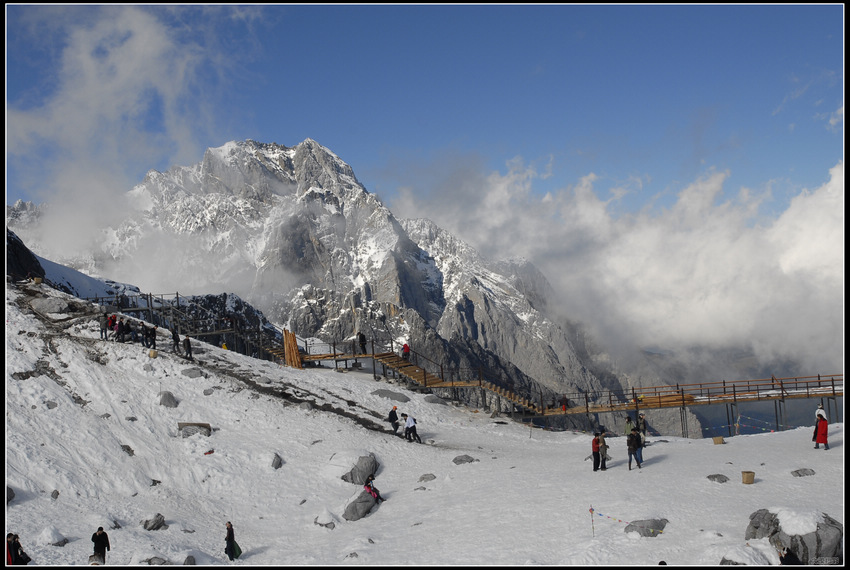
(393, 419)
(633, 443)
(175, 341)
(361, 338)
(101, 543)
(15, 555)
(187, 348)
(230, 542)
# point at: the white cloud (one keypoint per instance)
(125, 99)
(702, 272)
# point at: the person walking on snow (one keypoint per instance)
(101, 543)
(231, 548)
(393, 419)
(175, 341)
(361, 338)
(187, 348)
(410, 428)
(603, 452)
(629, 426)
(594, 447)
(103, 330)
(821, 433)
(633, 445)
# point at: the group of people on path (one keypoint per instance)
(636, 439)
(635, 442)
(119, 329)
(187, 345)
(409, 425)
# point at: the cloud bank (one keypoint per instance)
(707, 271)
(125, 97)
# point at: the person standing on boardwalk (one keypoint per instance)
(361, 338)
(101, 543)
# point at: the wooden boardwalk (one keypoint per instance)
(646, 398)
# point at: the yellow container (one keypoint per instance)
(152, 353)
(718, 440)
(748, 477)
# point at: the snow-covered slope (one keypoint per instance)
(83, 418)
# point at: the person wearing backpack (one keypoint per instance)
(410, 428)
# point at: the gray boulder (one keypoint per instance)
(167, 399)
(366, 465)
(156, 523)
(277, 462)
(359, 506)
(395, 396)
(10, 494)
(190, 430)
(432, 399)
(461, 459)
(824, 545)
(805, 472)
(190, 561)
(49, 305)
(648, 527)
(193, 372)
(717, 478)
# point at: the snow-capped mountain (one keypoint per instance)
(292, 231)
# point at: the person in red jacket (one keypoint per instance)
(594, 446)
(822, 430)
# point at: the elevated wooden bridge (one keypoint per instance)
(650, 397)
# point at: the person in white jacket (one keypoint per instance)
(410, 428)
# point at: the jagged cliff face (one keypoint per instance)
(293, 232)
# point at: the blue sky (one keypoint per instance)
(675, 171)
(644, 97)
